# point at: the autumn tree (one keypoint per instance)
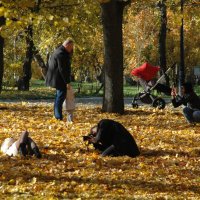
(112, 16)
(182, 51)
(23, 83)
(27, 14)
(140, 36)
(162, 37)
(81, 20)
(2, 22)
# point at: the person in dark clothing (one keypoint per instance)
(112, 139)
(191, 101)
(163, 88)
(59, 73)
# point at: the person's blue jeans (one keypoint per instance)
(58, 103)
(191, 115)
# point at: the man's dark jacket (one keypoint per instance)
(59, 71)
(114, 137)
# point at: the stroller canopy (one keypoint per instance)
(145, 71)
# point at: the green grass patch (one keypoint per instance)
(38, 90)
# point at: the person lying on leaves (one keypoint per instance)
(112, 139)
(24, 146)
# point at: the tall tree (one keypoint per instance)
(162, 37)
(112, 16)
(24, 81)
(182, 61)
(2, 22)
(27, 74)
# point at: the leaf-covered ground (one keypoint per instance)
(168, 168)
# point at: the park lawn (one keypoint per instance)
(168, 167)
(38, 91)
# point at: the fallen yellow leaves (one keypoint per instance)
(168, 168)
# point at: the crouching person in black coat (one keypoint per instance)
(112, 139)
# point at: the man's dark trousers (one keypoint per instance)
(59, 99)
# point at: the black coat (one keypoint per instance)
(112, 134)
(59, 70)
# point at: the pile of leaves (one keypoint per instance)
(168, 167)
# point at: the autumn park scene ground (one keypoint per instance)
(168, 167)
(136, 62)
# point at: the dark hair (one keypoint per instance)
(188, 87)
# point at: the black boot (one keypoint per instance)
(37, 152)
(33, 148)
(23, 149)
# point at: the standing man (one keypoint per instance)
(59, 73)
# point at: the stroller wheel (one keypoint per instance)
(134, 105)
(159, 103)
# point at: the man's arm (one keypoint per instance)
(176, 99)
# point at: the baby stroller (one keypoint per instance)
(145, 74)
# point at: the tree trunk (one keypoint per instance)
(182, 62)
(23, 83)
(162, 38)
(112, 15)
(2, 22)
(1, 61)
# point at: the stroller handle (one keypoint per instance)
(164, 74)
(170, 68)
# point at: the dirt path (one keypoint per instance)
(79, 101)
